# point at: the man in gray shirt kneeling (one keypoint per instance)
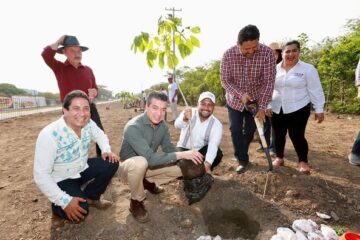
(143, 166)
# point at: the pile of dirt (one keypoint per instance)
(236, 207)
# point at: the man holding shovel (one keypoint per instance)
(247, 73)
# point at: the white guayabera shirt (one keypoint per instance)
(60, 154)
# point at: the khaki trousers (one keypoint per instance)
(135, 169)
(173, 106)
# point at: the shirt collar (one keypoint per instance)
(297, 64)
(67, 63)
(64, 125)
(146, 121)
(257, 52)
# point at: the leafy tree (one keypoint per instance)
(339, 58)
(213, 83)
(160, 46)
(192, 83)
(7, 89)
(127, 97)
(309, 54)
(49, 95)
(203, 78)
(104, 94)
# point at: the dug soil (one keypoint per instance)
(236, 207)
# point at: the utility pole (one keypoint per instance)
(173, 38)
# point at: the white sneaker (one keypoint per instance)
(354, 159)
(242, 168)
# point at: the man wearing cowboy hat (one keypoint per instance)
(71, 74)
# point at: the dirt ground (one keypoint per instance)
(234, 208)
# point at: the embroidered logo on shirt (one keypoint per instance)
(299, 74)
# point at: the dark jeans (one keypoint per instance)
(242, 128)
(203, 151)
(96, 118)
(101, 171)
(295, 124)
(356, 146)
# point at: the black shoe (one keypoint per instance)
(138, 211)
(152, 188)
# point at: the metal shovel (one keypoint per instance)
(252, 107)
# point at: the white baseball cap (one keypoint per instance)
(209, 95)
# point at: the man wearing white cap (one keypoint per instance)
(205, 133)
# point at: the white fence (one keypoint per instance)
(23, 105)
(37, 106)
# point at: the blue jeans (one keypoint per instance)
(100, 170)
(242, 128)
(356, 146)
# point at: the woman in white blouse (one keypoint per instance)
(297, 86)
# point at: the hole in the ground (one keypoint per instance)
(231, 224)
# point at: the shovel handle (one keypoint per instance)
(260, 128)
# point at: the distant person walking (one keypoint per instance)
(173, 98)
(354, 156)
(143, 100)
(71, 74)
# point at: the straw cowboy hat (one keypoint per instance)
(274, 46)
(71, 41)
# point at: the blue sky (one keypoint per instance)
(108, 27)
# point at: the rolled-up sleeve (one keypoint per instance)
(48, 54)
